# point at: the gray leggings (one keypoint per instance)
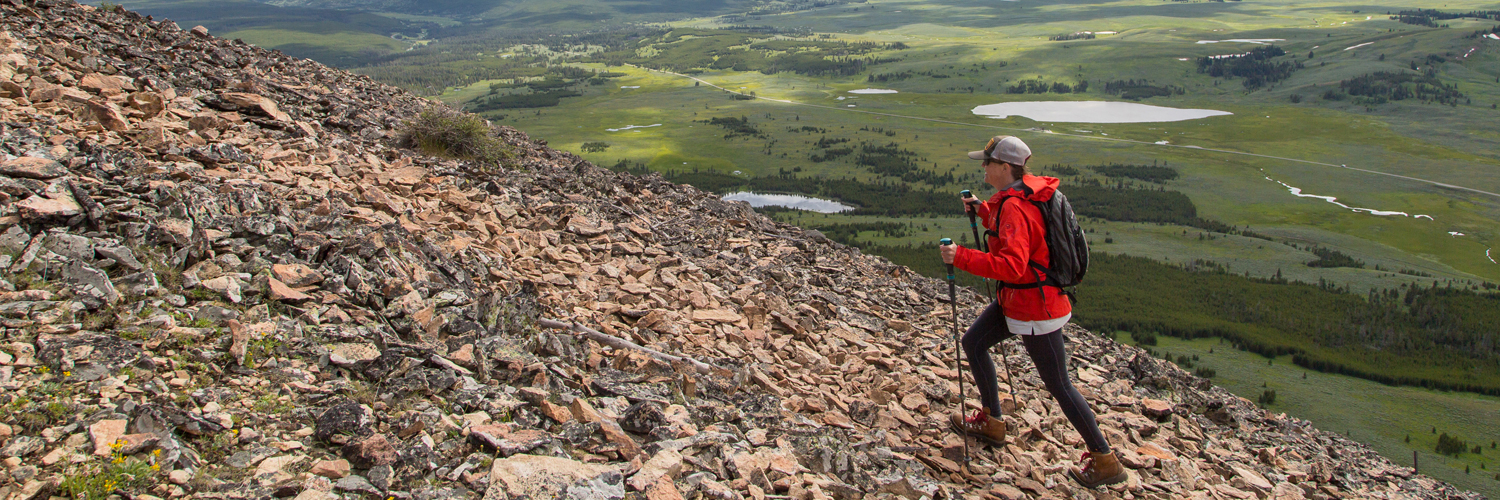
(1051, 361)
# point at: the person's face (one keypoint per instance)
(997, 173)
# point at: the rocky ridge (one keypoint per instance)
(217, 270)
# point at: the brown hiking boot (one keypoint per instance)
(981, 425)
(1099, 469)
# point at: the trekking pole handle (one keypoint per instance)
(946, 242)
(969, 201)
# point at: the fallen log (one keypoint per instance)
(619, 343)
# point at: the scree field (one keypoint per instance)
(738, 110)
(1333, 214)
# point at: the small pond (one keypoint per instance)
(790, 201)
(1093, 112)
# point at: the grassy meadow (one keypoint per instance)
(1378, 415)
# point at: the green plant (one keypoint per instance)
(170, 278)
(444, 131)
(109, 6)
(28, 280)
(100, 320)
(361, 392)
(271, 404)
(201, 295)
(218, 446)
(261, 348)
(59, 411)
(119, 474)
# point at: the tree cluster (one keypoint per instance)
(1384, 86)
(1042, 87)
(1141, 89)
(1256, 67)
(891, 160)
(848, 233)
(1149, 173)
(518, 101)
(1328, 257)
(735, 127)
(1429, 17)
(1438, 337)
(1071, 36)
(1451, 445)
(1119, 203)
(1482, 32)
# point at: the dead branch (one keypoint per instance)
(619, 343)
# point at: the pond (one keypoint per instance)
(1093, 112)
(790, 201)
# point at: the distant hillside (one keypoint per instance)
(224, 277)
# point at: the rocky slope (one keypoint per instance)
(221, 280)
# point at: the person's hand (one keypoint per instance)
(969, 202)
(948, 252)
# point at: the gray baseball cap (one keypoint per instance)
(1008, 149)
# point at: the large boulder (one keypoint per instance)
(533, 476)
(347, 419)
(33, 168)
(88, 356)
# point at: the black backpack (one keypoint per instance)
(1066, 244)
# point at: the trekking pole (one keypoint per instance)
(983, 246)
(958, 349)
(973, 224)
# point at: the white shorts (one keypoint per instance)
(1043, 327)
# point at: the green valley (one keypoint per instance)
(1339, 212)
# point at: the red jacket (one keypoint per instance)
(1021, 240)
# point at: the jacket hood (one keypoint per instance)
(1032, 188)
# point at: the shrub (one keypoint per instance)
(444, 131)
(120, 474)
(1451, 446)
(1267, 398)
(1143, 338)
(1205, 372)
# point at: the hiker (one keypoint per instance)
(1035, 312)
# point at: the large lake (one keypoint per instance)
(790, 201)
(1093, 112)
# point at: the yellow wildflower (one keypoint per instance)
(156, 452)
(67, 373)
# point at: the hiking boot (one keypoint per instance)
(981, 425)
(1099, 469)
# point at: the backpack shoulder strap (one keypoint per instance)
(994, 229)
